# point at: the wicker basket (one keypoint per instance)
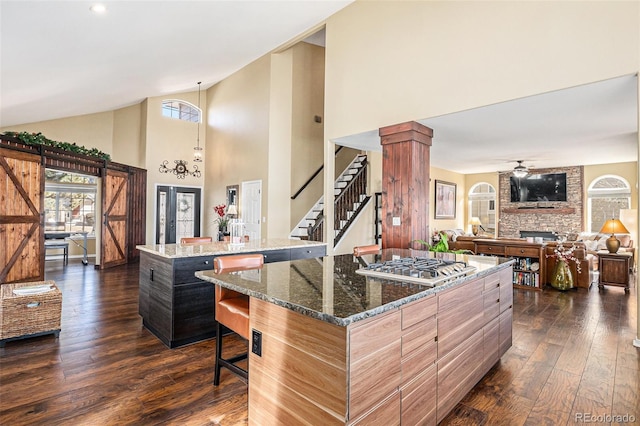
(29, 315)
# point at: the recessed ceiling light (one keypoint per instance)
(98, 8)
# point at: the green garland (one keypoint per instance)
(39, 139)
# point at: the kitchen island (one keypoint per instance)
(177, 307)
(331, 346)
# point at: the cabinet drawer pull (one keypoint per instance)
(206, 262)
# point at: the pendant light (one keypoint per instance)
(197, 151)
(520, 171)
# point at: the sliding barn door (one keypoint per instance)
(21, 234)
(114, 210)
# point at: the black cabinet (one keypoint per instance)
(177, 307)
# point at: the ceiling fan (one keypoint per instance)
(520, 171)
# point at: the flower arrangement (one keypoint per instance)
(222, 220)
(566, 255)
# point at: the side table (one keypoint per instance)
(614, 269)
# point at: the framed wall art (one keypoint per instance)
(445, 200)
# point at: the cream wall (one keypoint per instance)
(117, 133)
(128, 146)
(307, 135)
(392, 62)
(90, 130)
(461, 190)
(238, 136)
(169, 139)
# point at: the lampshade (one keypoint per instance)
(232, 209)
(475, 225)
(520, 171)
(613, 226)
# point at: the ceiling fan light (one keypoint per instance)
(520, 171)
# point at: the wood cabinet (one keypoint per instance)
(410, 365)
(614, 269)
(474, 331)
(174, 305)
(529, 268)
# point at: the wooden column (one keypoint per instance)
(405, 183)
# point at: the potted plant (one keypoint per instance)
(439, 244)
(222, 220)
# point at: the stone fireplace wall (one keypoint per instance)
(564, 217)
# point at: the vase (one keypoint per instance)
(562, 278)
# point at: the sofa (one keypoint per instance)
(595, 243)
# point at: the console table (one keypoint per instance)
(614, 269)
(529, 270)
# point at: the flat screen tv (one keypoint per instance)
(543, 187)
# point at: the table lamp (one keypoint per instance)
(475, 225)
(613, 226)
(232, 211)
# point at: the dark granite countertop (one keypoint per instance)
(329, 289)
(218, 248)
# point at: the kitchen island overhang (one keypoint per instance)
(339, 347)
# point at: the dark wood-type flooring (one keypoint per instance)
(572, 356)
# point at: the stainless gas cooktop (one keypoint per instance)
(424, 271)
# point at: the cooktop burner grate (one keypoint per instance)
(425, 271)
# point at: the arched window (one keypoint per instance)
(606, 195)
(181, 110)
(482, 204)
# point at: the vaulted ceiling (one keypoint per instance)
(59, 59)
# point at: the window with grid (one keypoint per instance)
(181, 110)
(482, 204)
(606, 196)
(69, 202)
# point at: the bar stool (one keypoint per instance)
(232, 310)
(370, 249)
(195, 240)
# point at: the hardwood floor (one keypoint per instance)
(572, 356)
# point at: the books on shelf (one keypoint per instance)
(530, 279)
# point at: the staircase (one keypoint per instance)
(350, 192)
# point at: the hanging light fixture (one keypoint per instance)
(197, 151)
(520, 171)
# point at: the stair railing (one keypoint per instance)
(343, 204)
(349, 196)
(316, 173)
